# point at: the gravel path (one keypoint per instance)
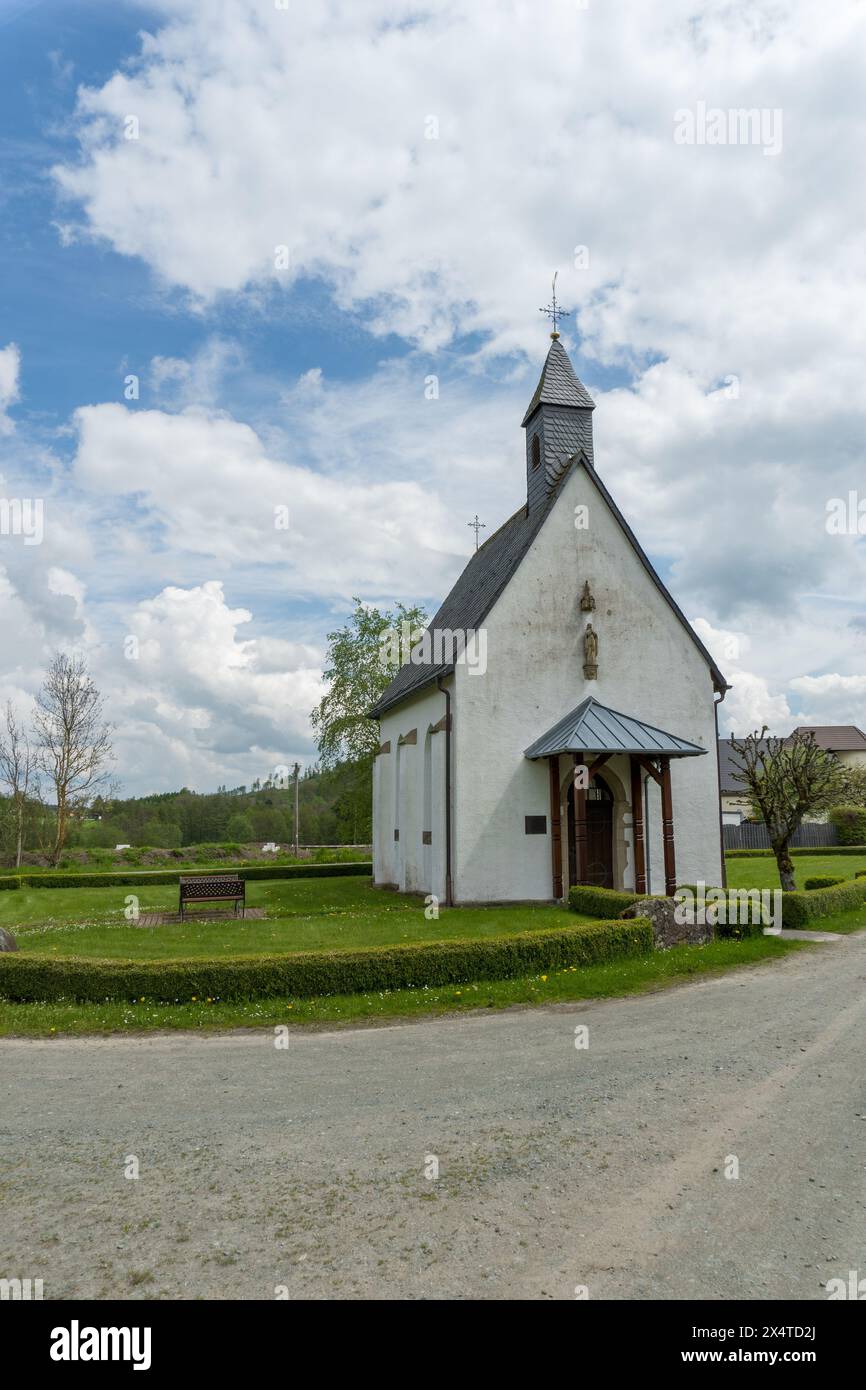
(305, 1167)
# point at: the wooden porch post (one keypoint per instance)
(668, 829)
(555, 825)
(580, 840)
(637, 826)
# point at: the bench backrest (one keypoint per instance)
(215, 885)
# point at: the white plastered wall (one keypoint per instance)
(649, 667)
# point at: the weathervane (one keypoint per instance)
(553, 310)
(477, 526)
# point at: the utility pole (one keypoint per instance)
(296, 770)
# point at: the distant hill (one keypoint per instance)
(335, 809)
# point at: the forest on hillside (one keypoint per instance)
(335, 809)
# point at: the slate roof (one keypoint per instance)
(836, 738)
(471, 599)
(558, 384)
(593, 728)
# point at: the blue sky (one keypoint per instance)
(427, 172)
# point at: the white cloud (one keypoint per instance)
(832, 699)
(196, 702)
(214, 490)
(707, 265)
(10, 371)
(708, 256)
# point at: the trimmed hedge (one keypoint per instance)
(608, 903)
(605, 903)
(798, 909)
(129, 877)
(311, 974)
(823, 881)
(801, 849)
(735, 898)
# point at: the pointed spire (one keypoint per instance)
(558, 384)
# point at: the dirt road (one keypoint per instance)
(311, 1168)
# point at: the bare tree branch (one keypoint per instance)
(74, 741)
(787, 778)
(18, 765)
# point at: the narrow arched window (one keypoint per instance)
(535, 451)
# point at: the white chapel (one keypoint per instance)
(557, 724)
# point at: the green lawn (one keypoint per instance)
(632, 976)
(302, 915)
(761, 871)
(306, 914)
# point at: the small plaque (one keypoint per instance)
(536, 825)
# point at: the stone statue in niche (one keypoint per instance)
(590, 653)
(587, 602)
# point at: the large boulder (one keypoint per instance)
(672, 924)
(7, 940)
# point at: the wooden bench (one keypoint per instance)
(211, 888)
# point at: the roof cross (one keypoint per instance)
(477, 526)
(553, 310)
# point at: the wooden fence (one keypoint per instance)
(748, 836)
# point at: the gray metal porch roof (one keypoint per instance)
(593, 728)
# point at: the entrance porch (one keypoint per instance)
(599, 760)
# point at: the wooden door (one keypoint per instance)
(599, 835)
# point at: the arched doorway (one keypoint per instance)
(599, 834)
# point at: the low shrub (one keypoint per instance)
(801, 908)
(9, 883)
(850, 823)
(737, 930)
(801, 849)
(605, 903)
(311, 974)
(123, 877)
(823, 881)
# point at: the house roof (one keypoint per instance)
(593, 728)
(558, 384)
(836, 738)
(487, 574)
(729, 763)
